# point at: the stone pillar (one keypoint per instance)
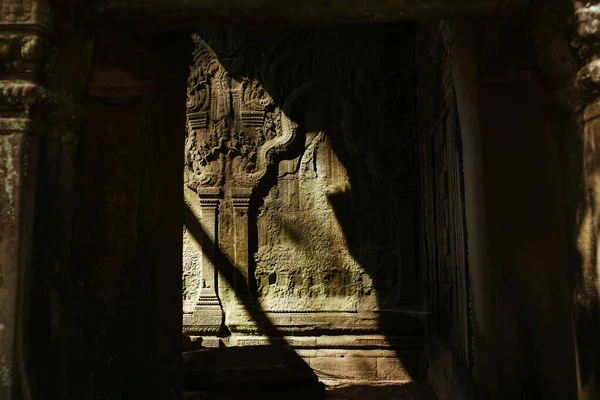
(208, 313)
(465, 75)
(240, 199)
(18, 153)
(21, 33)
(43, 67)
(587, 281)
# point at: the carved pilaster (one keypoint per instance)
(209, 204)
(208, 313)
(586, 284)
(240, 199)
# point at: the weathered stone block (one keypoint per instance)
(392, 369)
(334, 353)
(346, 367)
(307, 354)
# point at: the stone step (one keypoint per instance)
(364, 390)
(335, 390)
(244, 369)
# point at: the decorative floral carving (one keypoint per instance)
(14, 11)
(229, 123)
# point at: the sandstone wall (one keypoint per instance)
(331, 222)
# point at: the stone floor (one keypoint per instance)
(278, 372)
(335, 390)
(357, 390)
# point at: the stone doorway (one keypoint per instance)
(303, 171)
(302, 189)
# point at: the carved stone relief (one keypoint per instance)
(443, 216)
(233, 125)
(315, 157)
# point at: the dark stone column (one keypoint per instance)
(42, 74)
(587, 284)
(18, 151)
(22, 30)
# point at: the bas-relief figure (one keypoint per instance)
(331, 208)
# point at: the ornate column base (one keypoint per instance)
(208, 316)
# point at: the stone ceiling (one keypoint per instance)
(160, 15)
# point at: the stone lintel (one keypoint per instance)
(153, 15)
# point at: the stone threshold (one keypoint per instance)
(364, 357)
(376, 342)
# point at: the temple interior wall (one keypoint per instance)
(126, 327)
(523, 160)
(335, 229)
(515, 213)
(327, 243)
(528, 257)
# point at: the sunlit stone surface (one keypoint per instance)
(301, 167)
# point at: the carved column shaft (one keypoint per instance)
(587, 282)
(18, 153)
(241, 202)
(209, 205)
(207, 317)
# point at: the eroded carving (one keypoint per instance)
(443, 217)
(333, 230)
(232, 125)
(14, 11)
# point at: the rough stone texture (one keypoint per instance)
(529, 276)
(392, 369)
(301, 192)
(278, 14)
(346, 367)
(332, 228)
(518, 319)
(444, 229)
(15, 149)
(583, 200)
(95, 308)
(38, 110)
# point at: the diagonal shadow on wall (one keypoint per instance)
(225, 372)
(337, 81)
